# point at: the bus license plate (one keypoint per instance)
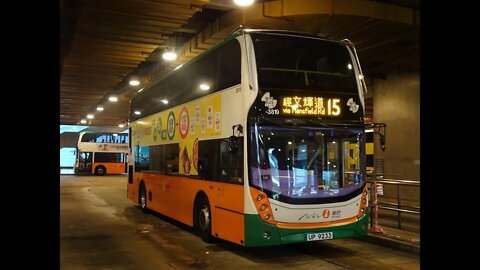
(319, 236)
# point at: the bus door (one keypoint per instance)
(85, 162)
(126, 163)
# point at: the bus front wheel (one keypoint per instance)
(142, 198)
(100, 170)
(203, 219)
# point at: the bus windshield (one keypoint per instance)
(291, 163)
(290, 62)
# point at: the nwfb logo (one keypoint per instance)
(353, 106)
(270, 102)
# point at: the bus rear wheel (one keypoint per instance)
(142, 198)
(203, 219)
(100, 170)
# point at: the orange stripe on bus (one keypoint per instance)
(110, 167)
(174, 197)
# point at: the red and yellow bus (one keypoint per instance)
(101, 153)
(259, 141)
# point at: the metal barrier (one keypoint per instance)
(398, 206)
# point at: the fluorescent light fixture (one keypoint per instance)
(83, 121)
(99, 108)
(178, 67)
(113, 98)
(90, 116)
(134, 82)
(204, 86)
(164, 101)
(137, 112)
(121, 125)
(140, 90)
(169, 55)
(243, 3)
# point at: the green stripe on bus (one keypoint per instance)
(255, 229)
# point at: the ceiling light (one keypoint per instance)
(113, 98)
(178, 67)
(99, 108)
(121, 125)
(243, 2)
(349, 66)
(115, 134)
(137, 112)
(169, 55)
(90, 116)
(204, 86)
(140, 90)
(164, 101)
(134, 82)
(360, 77)
(83, 121)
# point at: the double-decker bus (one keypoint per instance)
(101, 153)
(259, 141)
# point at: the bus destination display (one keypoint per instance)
(296, 105)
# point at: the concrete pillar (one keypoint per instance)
(396, 102)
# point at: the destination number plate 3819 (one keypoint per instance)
(319, 236)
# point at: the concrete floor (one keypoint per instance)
(101, 229)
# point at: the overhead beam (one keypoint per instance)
(362, 8)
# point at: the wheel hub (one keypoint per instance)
(204, 217)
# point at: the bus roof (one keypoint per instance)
(237, 32)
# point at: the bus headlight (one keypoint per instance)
(363, 203)
(262, 205)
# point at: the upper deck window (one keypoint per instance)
(295, 62)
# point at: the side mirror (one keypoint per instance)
(381, 130)
(381, 138)
(233, 144)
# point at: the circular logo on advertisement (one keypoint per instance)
(171, 125)
(326, 213)
(184, 122)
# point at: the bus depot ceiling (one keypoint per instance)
(105, 43)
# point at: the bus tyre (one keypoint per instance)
(203, 219)
(100, 170)
(142, 198)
